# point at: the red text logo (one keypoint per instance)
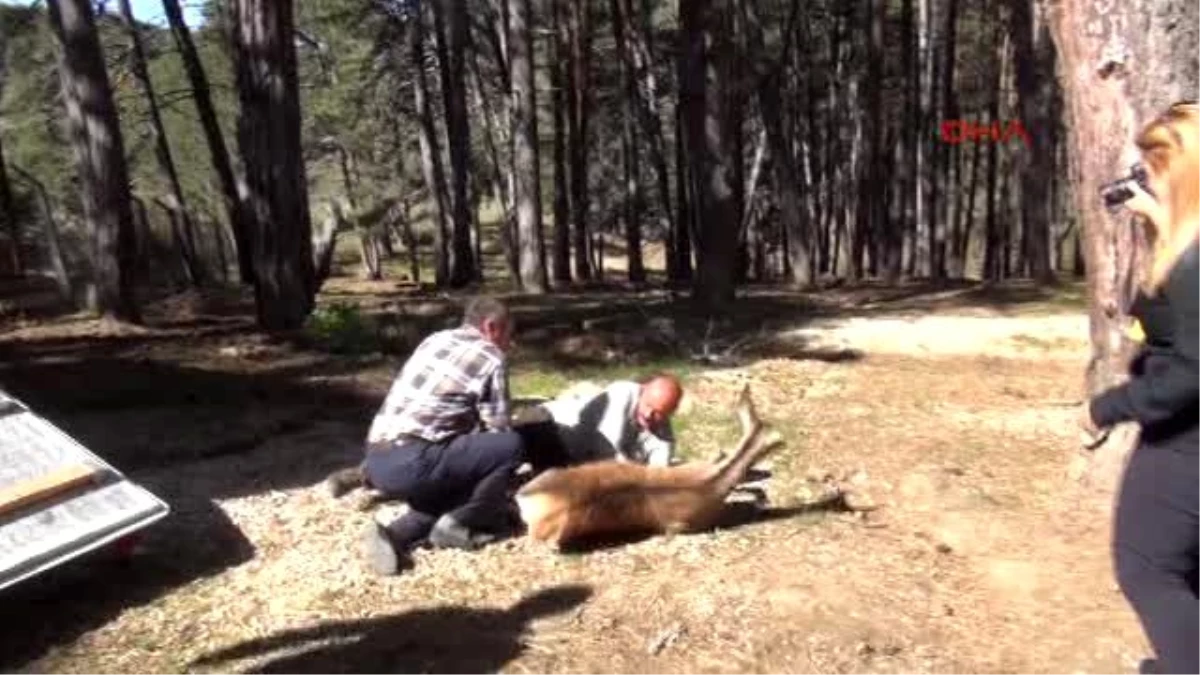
(957, 131)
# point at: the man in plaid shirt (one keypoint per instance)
(442, 440)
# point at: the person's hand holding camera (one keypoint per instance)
(1135, 192)
(1146, 205)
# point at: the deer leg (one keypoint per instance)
(750, 424)
(746, 412)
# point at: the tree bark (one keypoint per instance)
(876, 220)
(705, 26)
(185, 232)
(631, 213)
(218, 152)
(9, 214)
(58, 265)
(1121, 65)
(679, 253)
(946, 156)
(451, 48)
(638, 58)
(324, 242)
(1033, 56)
(502, 169)
(269, 141)
(769, 84)
(909, 139)
(99, 155)
(561, 257)
(993, 261)
(526, 166)
(431, 158)
(579, 32)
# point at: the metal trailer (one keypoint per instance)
(59, 500)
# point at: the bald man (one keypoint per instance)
(628, 421)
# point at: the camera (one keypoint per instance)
(1118, 192)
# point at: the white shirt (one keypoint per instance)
(603, 425)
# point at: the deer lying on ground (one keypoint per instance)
(612, 498)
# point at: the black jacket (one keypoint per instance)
(1164, 393)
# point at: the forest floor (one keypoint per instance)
(950, 407)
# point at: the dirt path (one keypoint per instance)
(981, 559)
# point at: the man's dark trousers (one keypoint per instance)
(467, 477)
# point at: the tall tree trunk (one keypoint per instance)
(705, 27)
(1109, 98)
(1033, 55)
(409, 237)
(679, 254)
(835, 170)
(969, 217)
(638, 58)
(501, 173)
(431, 157)
(769, 81)
(239, 218)
(58, 265)
(855, 207)
(526, 167)
(141, 226)
(992, 254)
(559, 85)
(812, 143)
(733, 109)
(579, 32)
(878, 225)
(9, 214)
(269, 140)
(909, 140)
(324, 242)
(99, 156)
(1005, 221)
(946, 156)
(497, 34)
(452, 50)
(162, 150)
(631, 215)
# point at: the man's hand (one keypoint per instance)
(1092, 436)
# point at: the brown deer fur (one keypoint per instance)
(612, 498)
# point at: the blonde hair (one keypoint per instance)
(1169, 147)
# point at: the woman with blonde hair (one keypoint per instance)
(1155, 524)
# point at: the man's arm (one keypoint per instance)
(1169, 384)
(496, 410)
(659, 449)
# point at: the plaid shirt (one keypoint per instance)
(454, 380)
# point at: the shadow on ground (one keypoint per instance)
(438, 640)
(195, 541)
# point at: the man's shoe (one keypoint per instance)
(381, 555)
(449, 533)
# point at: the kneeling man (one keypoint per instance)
(442, 441)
